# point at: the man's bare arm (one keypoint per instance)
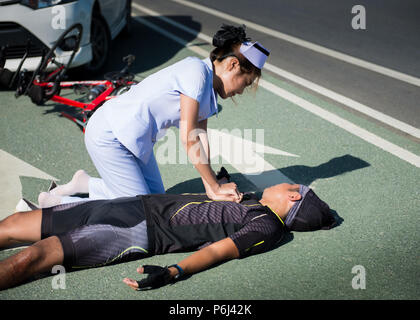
(219, 251)
(200, 260)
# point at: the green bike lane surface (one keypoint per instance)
(374, 193)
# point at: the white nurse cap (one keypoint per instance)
(255, 53)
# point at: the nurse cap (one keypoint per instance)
(255, 53)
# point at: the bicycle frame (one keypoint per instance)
(89, 107)
(45, 85)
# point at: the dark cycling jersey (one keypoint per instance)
(187, 222)
(103, 231)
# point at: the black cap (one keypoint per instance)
(310, 213)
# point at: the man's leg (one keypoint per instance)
(40, 257)
(20, 227)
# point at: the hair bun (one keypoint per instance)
(229, 35)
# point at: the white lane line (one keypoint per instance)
(326, 115)
(306, 44)
(344, 124)
(402, 126)
(397, 124)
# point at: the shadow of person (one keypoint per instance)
(299, 174)
(337, 166)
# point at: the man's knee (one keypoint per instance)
(12, 219)
(17, 218)
(22, 226)
(43, 254)
(49, 247)
(8, 224)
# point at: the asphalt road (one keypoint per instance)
(365, 170)
(390, 40)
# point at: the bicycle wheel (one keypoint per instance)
(69, 42)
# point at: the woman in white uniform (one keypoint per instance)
(121, 134)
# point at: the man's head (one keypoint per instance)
(299, 207)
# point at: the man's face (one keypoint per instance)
(284, 195)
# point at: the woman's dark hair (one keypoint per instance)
(227, 42)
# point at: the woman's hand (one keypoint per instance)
(224, 192)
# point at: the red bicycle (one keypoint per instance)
(47, 80)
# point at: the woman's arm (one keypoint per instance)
(219, 251)
(202, 126)
(199, 153)
(190, 136)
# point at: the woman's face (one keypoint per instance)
(232, 80)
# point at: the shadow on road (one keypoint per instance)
(300, 174)
(150, 48)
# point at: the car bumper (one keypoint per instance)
(19, 23)
(82, 56)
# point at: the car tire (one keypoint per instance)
(101, 43)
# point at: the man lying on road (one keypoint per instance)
(100, 232)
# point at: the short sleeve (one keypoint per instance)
(191, 77)
(257, 236)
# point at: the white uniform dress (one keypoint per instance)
(121, 134)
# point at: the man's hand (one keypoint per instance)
(157, 277)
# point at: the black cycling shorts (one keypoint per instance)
(99, 232)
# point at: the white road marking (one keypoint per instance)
(308, 45)
(11, 168)
(330, 117)
(344, 124)
(248, 158)
(397, 124)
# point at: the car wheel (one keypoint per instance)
(100, 42)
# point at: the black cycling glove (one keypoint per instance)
(157, 277)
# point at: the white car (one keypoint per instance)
(43, 21)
